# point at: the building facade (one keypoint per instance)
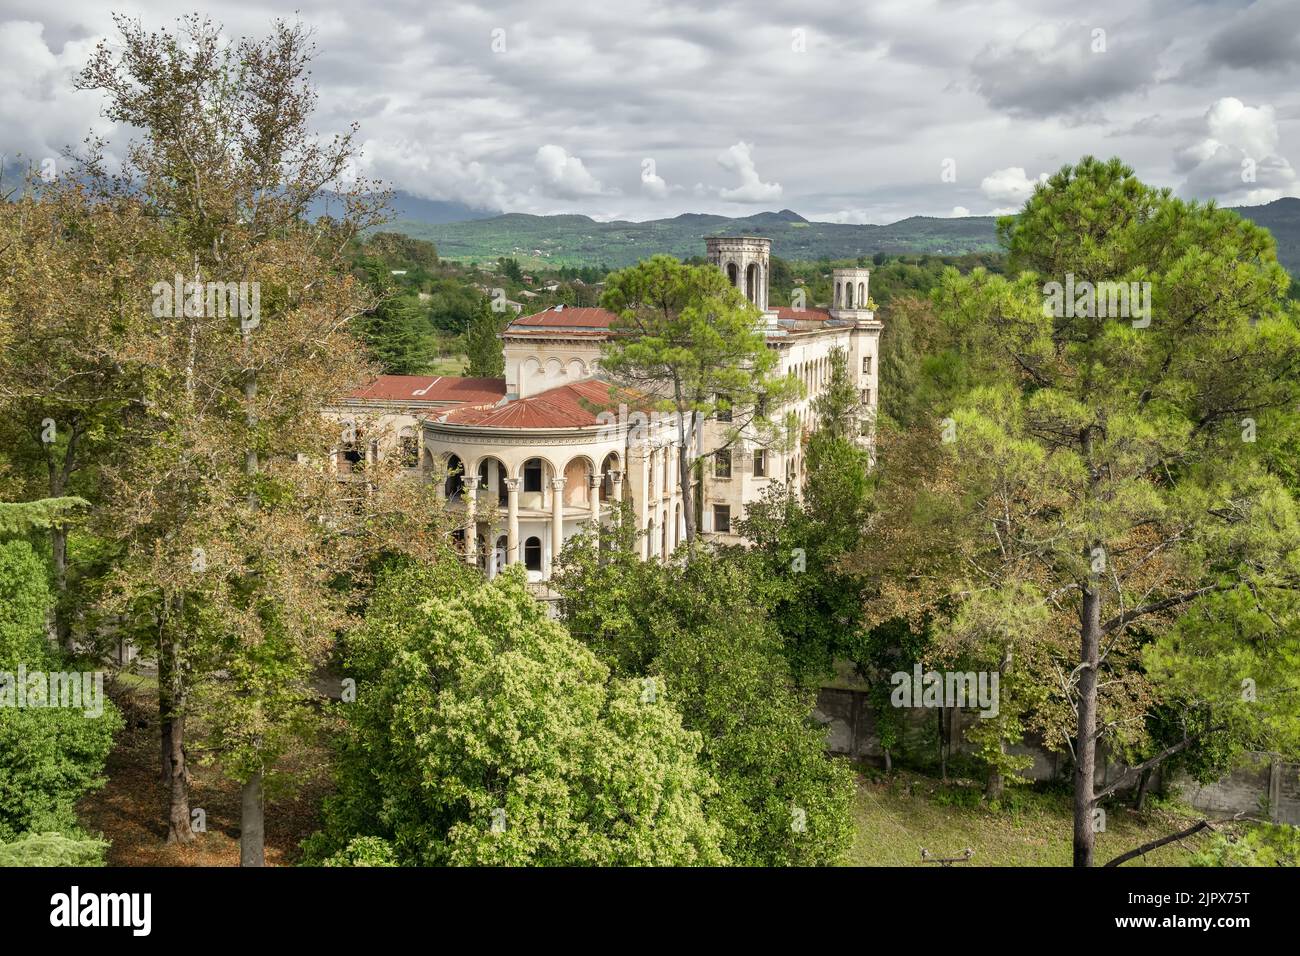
(529, 460)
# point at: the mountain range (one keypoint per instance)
(576, 240)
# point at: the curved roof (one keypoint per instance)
(566, 406)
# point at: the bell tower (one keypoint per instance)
(744, 261)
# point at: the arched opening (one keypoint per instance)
(351, 457)
(492, 476)
(848, 298)
(862, 295)
(733, 274)
(607, 469)
(665, 552)
(533, 554)
(454, 487)
(751, 282)
(408, 447)
(534, 474)
(576, 485)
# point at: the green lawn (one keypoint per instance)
(448, 365)
(895, 818)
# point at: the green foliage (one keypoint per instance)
(364, 851)
(697, 632)
(481, 344)
(1258, 844)
(493, 738)
(797, 543)
(25, 598)
(397, 330)
(1106, 456)
(17, 517)
(49, 756)
(53, 849)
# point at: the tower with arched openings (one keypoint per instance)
(744, 261)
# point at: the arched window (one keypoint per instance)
(848, 302)
(455, 483)
(733, 274)
(409, 448)
(751, 282)
(533, 554)
(607, 469)
(862, 295)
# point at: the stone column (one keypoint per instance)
(512, 521)
(470, 496)
(617, 477)
(593, 496)
(557, 522)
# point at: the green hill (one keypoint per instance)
(572, 240)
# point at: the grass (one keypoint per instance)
(895, 817)
(448, 365)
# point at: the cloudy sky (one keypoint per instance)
(843, 111)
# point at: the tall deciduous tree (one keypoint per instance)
(687, 338)
(528, 753)
(231, 517)
(74, 286)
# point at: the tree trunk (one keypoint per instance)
(684, 482)
(1140, 799)
(993, 785)
(943, 753)
(171, 721)
(252, 834)
(166, 706)
(59, 475)
(889, 763)
(178, 817)
(1086, 743)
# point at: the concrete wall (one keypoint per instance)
(1263, 782)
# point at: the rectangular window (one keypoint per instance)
(722, 519)
(760, 463)
(866, 365)
(723, 414)
(722, 463)
(533, 476)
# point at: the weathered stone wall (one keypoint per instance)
(1264, 787)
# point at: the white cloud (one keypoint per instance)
(40, 112)
(652, 184)
(1237, 161)
(959, 212)
(565, 175)
(739, 159)
(1008, 186)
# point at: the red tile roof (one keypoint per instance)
(415, 389)
(807, 315)
(565, 318)
(566, 406)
